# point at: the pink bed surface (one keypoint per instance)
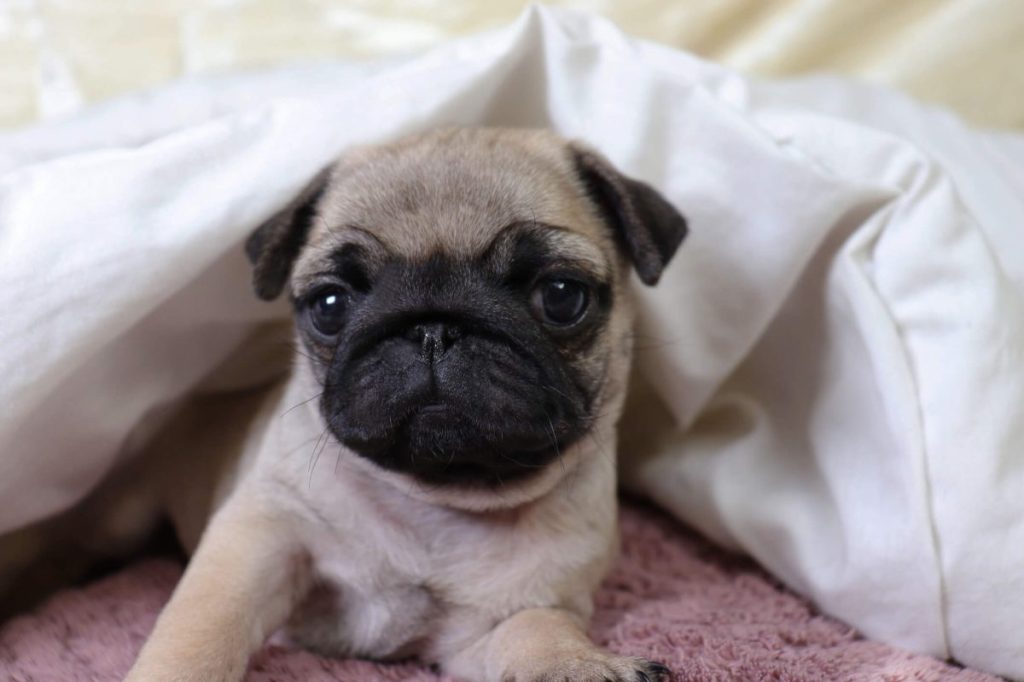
(672, 598)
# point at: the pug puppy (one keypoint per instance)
(436, 476)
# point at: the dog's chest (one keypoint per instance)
(371, 595)
(393, 587)
(369, 610)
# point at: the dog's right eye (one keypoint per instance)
(327, 310)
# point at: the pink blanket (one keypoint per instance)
(672, 598)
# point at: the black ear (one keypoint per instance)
(648, 227)
(273, 246)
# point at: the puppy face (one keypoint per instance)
(460, 296)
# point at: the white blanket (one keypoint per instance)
(831, 372)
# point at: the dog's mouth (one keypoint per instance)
(440, 444)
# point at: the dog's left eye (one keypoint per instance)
(561, 302)
(327, 310)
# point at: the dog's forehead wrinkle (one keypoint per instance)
(418, 195)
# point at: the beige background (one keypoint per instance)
(57, 55)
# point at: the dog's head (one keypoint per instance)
(461, 296)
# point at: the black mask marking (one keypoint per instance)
(443, 372)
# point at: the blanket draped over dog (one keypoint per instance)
(830, 376)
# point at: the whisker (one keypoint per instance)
(602, 448)
(315, 456)
(546, 387)
(515, 461)
(300, 404)
(302, 444)
(649, 342)
(298, 350)
(554, 442)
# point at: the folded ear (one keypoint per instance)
(646, 226)
(273, 246)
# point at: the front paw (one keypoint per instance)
(596, 666)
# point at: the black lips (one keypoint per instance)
(442, 373)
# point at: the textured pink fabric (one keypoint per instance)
(672, 598)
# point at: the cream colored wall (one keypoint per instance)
(58, 54)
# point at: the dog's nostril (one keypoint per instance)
(434, 338)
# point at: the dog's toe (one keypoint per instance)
(651, 671)
(658, 672)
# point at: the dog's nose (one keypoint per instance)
(434, 338)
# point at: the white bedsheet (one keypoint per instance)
(831, 372)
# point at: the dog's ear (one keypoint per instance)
(273, 246)
(646, 226)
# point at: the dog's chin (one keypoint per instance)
(473, 488)
(435, 469)
(436, 446)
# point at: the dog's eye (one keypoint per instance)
(561, 302)
(327, 310)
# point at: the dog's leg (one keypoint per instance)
(539, 645)
(242, 583)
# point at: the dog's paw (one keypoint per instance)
(595, 667)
